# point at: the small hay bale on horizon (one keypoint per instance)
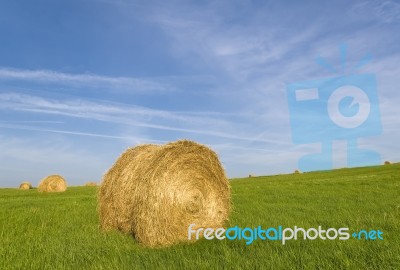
(297, 171)
(387, 162)
(52, 183)
(155, 192)
(91, 184)
(25, 185)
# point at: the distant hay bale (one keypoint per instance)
(387, 162)
(250, 176)
(297, 171)
(91, 184)
(155, 192)
(25, 185)
(52, 183)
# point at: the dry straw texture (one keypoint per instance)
(91, 184)
(52, 183)
(155, 192)
(25, 185)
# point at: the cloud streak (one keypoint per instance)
(135, 85)
(78, 133)
(130, 115)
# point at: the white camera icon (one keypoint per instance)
(359, 99)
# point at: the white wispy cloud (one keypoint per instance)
(237, 49)
(137, 116)
(79, 133)
(386, 11)
(133, 85)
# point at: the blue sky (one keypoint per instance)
(82, 80)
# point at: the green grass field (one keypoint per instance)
(60, 230)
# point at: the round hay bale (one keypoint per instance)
(25, 185)
(387, 162)
(250, 175)
(155, 192)
(91, 184)
(297, 171)
(52, 183)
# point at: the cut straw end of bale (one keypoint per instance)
(25, 185)
(154, 192)
(52, 183)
